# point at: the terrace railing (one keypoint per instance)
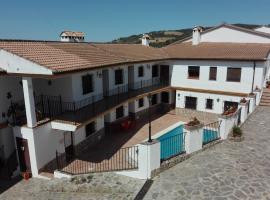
(211, 132)
(53, 107)
(172, 146)
(124, 159)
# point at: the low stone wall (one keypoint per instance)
(180, 158)
(89, 141)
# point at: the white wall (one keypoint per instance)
(43, 142)
(60, 86)
(218, 107)
(15, 64)
(224, 34)
(12, 85)
(180, 76)
(80, 135)
(112, 76)
(110, 117)
(77, 88)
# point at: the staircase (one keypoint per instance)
(265, 100)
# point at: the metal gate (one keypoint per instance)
(211, 132)
(172, 145)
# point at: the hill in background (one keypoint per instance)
(166, 37)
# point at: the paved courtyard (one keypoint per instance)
(227, 171)
(106, 186)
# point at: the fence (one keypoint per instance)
(53, 106)
(124, 159)
(211, 132)
(172, 146)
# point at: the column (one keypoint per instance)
(28, 93)
(193, 138)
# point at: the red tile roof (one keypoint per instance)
(63, 57)
(219, 51)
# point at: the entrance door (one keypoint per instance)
(69, 149)
(230, 104)
(23, 153)
(105, 82)
(165, 97)
(164, 73)
(131, 77)
(191, 103)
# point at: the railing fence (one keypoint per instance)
(211, 132)
(124, 159)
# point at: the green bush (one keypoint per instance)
(237, 132)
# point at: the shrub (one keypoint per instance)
(237, 132)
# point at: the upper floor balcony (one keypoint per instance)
(77, 112)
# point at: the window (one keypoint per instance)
(234, 74)
(191, 103)
(155, 71)
(193, 72)
(118, 75)
(140, 71)
(87, 83)
(213, 74)
(119, 112)
(90, 128)
(154, 99)
(209, 104)
(141, 102)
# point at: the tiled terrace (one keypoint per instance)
(111, 153)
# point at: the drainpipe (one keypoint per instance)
(254, 66)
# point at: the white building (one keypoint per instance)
(72, 91)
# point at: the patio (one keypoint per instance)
(117, 150)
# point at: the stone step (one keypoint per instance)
(266, 105)
(264, 101)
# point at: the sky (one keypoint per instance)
(105, 20)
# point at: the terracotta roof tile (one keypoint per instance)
(219, 51)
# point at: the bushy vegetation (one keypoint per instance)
(164, 38)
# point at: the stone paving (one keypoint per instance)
(229, 170)
(105, 186)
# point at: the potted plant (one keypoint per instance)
(237, 132)
(193, 124)
(243, 100)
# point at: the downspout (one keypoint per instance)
(254, 66)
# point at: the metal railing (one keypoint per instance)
(124, 159)
(77, 111)
(172, 146)
(211, 132)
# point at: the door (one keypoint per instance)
(191, 103)
(105, 82)
(23, 153)
(130, 77)
(164, 73)
(165, 97)
(230, 104)
(69, 149)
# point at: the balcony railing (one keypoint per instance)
(53, 107)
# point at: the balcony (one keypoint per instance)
(77, 112)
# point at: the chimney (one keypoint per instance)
(71, 36)
(145, 40)
(196, 35)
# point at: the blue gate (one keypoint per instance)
(172, 143)
(211, 132)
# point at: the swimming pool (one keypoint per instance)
(172, 143)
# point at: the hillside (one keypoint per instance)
(166, 37)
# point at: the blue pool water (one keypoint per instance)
(172, 142)
(209, 135)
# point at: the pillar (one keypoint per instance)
(28, 93)
(193, 138)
